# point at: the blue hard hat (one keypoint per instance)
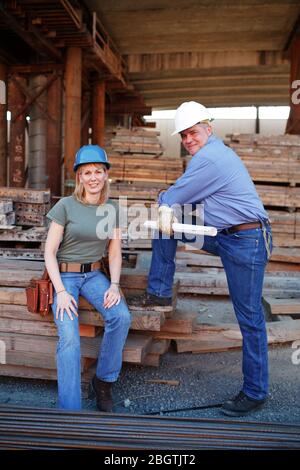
(90, 154)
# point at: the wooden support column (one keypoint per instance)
(16, 101)
(54, 147)
(3, 125)
(98, 119)
(73, 82)
(293, 123)
(86, 117)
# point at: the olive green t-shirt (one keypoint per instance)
(87, 229)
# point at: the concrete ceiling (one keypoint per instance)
(217, 52)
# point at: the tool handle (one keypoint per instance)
(186, 228)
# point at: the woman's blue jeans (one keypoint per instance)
(244, 257)
(91, 286)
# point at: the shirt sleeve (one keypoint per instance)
(58, 213)
(200, 180)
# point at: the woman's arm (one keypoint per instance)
(113, 296)
(65, 301)
(54, 238)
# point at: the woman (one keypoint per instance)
(82, 227)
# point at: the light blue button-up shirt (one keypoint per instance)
(218, 178)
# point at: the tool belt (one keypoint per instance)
(39, 295)
(238, 228)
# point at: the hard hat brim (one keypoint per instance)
(108, 165)
(199, 122)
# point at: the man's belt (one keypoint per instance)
(79, 268)
(238, 228)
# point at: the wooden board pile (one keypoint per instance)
(136, 141)
(136, 155)
(28, 341)
(274, 165)
(26, 237)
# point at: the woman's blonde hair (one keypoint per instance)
(79, 192)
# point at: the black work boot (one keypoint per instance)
(241, 405)
(150, 302)
(103, 394)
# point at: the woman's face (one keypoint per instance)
(93, 177)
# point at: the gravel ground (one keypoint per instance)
(204, 380)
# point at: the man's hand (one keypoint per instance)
(166, 218)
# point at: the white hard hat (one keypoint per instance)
(188, 114)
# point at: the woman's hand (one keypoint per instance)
(112, 296)
(66, 302)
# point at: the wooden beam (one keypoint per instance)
(202, 60)
(33, 38)
(54, 106)
(16, 100)
(3, 125)
(73, 80)
(98, 113)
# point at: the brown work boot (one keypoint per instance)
(148, 301)
(103, 394)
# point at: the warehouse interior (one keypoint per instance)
(76, 72)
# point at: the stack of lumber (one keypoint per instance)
(136, 140)
(28, 341)
(30, 207)
(145, 168)
(274, 165)
(202, 273)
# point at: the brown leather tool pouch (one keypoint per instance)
(39, 295)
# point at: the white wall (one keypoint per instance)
(221, 127)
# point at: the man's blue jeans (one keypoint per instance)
(244, 257)
(91, 286)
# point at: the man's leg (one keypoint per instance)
(162, 269)
(244, 259)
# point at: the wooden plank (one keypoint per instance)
(25, 195)
(13, 305)
(135, 349)
(282, 306)
(212, 338)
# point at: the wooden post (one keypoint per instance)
(3, 125)
(86, 117)
(73, 81)
(98, 124)
(54, 147)
(293, 123)
(16, 101)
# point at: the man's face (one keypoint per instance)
(195, 137)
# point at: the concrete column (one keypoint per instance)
(54, 138)
(37, 176)
(73, 83)
(3, 125)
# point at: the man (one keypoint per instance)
(216, 177)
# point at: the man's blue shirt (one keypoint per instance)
(218, 178)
